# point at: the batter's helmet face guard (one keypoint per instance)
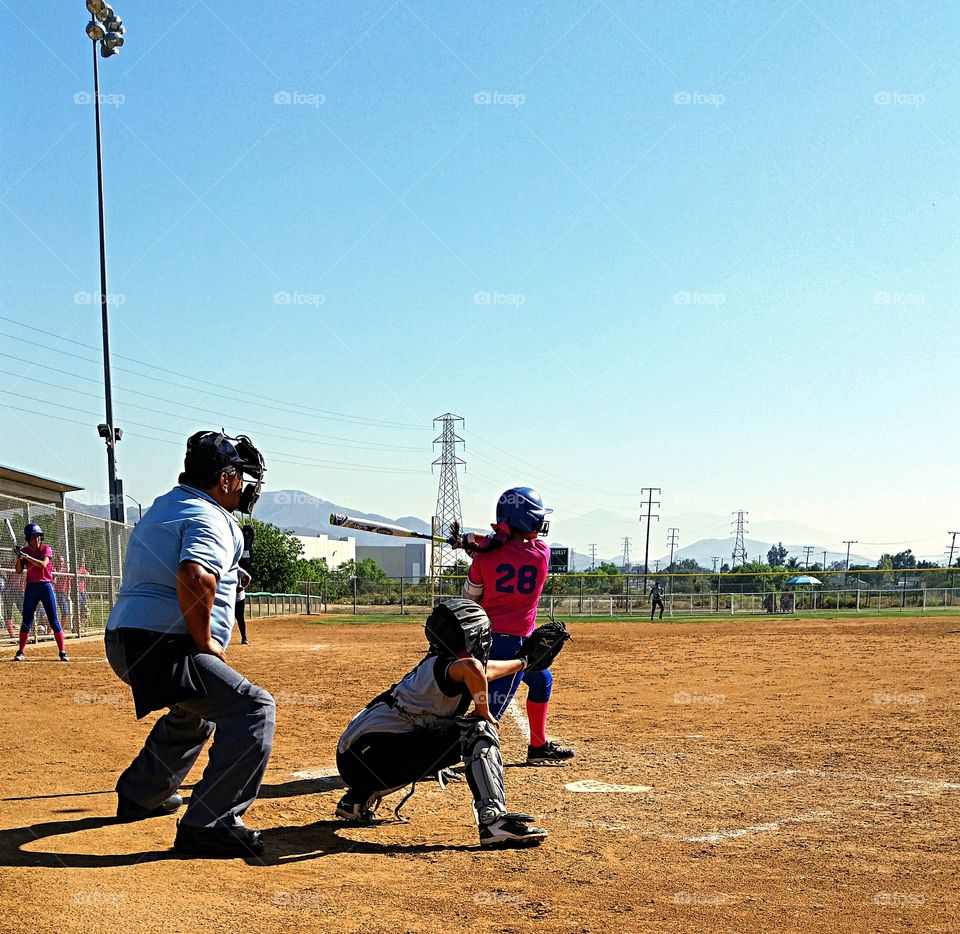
(522, 510)
(211, 453)
(31, 529)
(459, 625)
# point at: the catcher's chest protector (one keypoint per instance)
(418, 703)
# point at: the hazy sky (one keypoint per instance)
(706, 247)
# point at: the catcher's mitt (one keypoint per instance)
(543, 645)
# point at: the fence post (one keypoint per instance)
(858, 598)
(611, 605)
(731, 603)
(924, 597)
(581, 596)
(626, 591)
(354, 594)
(401, 596)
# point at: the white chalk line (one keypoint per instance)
(519, 718)
(923, 788)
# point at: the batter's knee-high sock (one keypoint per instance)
(537, 715)
(58, 635)
(23, 639)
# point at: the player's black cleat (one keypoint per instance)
(218, 842)
(548, 753)
(19, 657)
(129, 811)
(511, 830)
(351, 807)
(64, 657)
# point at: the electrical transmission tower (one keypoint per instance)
(648, 491)
(448, 494)
(593, 556)
(626, 553)
(807, 551)
(739, 548)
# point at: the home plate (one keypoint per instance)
(589, 785)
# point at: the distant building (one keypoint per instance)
(406, 561)
(34, 488)
(335, 551)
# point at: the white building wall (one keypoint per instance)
(334, 550)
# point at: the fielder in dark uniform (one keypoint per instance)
(656, 599)
(166, 638)
(418, 727)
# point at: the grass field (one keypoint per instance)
(768, 773)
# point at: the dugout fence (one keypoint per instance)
(88, 555)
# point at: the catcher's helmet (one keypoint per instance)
(209, 453)
(459, 625)
(31, 529)
(522, 510)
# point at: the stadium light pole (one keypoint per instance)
(105, 30)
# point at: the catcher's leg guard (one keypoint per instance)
(480, 748)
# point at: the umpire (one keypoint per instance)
(166, 638)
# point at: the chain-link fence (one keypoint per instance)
(591, 594)
(88, 558)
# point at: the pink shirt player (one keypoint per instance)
(512, 577)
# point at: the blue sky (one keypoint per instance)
(706, 247)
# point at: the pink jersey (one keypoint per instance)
(61, 580)
(512, 577)
(37, 575)
(82, 579)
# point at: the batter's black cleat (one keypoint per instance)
(129, 811)
(218, 842)
(548, 753)
(64, 657)
(511, 830)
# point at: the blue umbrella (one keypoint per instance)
(804, 579)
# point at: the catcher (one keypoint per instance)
(420, 726)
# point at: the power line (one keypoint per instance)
(234, 392)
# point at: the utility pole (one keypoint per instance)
(593, 556)
(625, 564)
(673, 539)
(715, 559)
(953, 542)
(739, 548)
(807, 551)
(848, 543)
(650, 503)
(824, 560)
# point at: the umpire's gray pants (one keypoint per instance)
(244, 717)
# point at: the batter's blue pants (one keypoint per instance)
(39, 592)
(501, 691)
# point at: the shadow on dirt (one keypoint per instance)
(283, 845)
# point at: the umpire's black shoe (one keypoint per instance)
(218, 842)
(549, 752)
(129, 811)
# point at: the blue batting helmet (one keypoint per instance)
(522, 509)
(31, 529)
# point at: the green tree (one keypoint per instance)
(885, 563)
(904, 559)
(777, 555)
(275, 558)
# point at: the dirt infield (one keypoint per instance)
(802, 775)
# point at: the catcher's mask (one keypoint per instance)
(211, 453)
(459, 625)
